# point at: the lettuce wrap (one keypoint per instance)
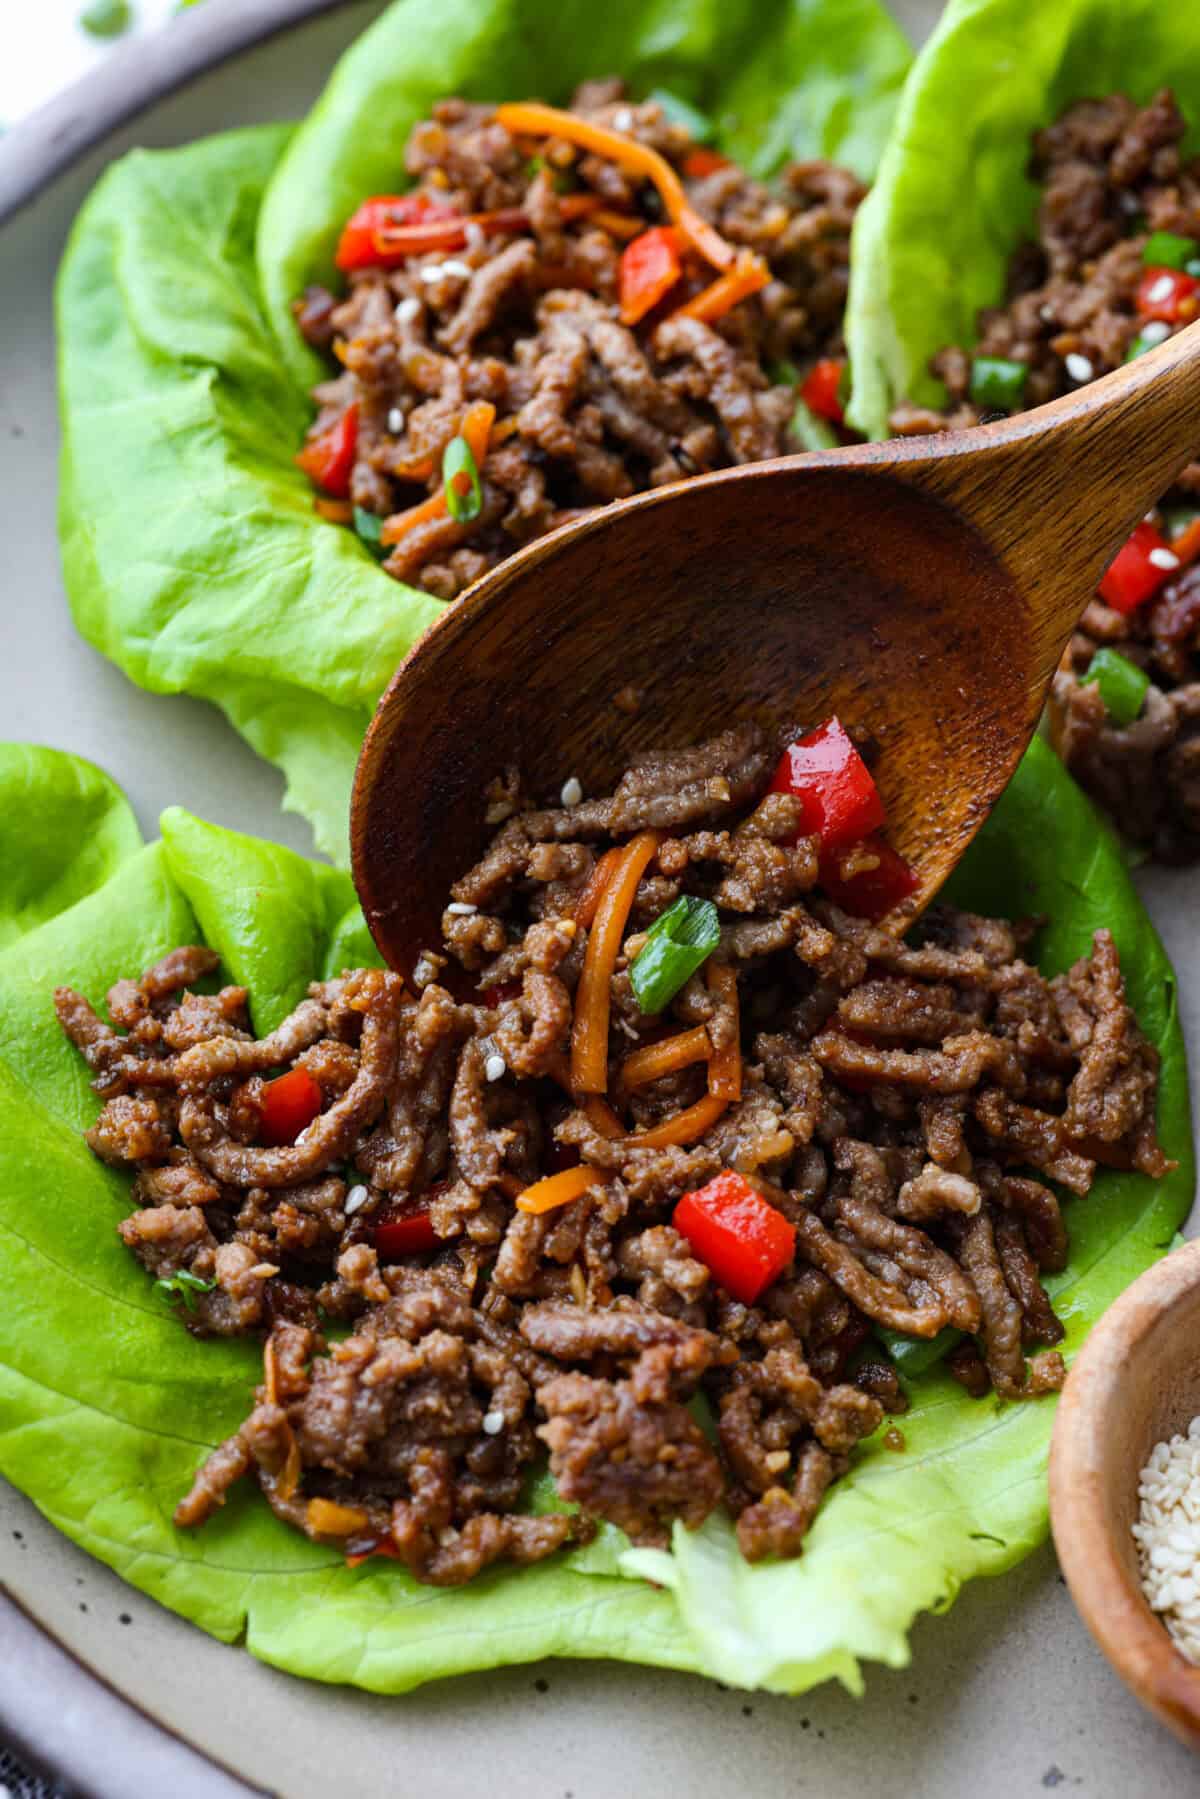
(953, 198)
(107, 1405)
(191, 551)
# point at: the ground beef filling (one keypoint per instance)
(911, 1107)
(1111, 174)
(588, 409)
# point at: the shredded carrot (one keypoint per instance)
(476, 427)
(601, 1116)
(288, 1478)
(725, 1068)
(558, 1189)
(685, 1127)
(589, 1038)
(532, 119)
(748, 274)
(449, 232)
(505, 429)
(593, 888)
(329, 1519)
(1187, 545)
(270, 1378)
(336, 512)
(618, 224)
(657, 1059)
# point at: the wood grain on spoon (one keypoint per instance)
(922, 589)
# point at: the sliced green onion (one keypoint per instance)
(460, 479)
(995, 381)
(106, 18)
(1178, 519)
(845, 383)
(185, 1286)
(697, 124)
(1151, 335)
(1122, 685)
(678, 941)
(1192, 267)
(782, 373)
(811, 432)
(1167, 250)
(369, 526)
(913, 1355)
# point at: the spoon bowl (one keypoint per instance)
(923, 590)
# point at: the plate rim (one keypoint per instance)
(42, 146)
(34, 153)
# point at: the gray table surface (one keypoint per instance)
(1005, 1696)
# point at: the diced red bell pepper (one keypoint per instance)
(839, 802)
(650, 267)
(1167, 294)
(357, 248)
(821, 388)
(402, 1230)
(1137, 571)
(744, 1242)
(701, 162)
(289, 1105)
(873, 891)
(328, 458)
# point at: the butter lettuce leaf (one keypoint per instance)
(191, 551)
(107, 1405)
(79, 829)
(953, 197)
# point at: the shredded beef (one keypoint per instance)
(526, 316)
(1112, 174)
(899, 1102)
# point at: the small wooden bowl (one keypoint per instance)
(1136, 1381)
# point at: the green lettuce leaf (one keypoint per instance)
(80, 828)
(953, 198)
(191, 551)
(106, 1405)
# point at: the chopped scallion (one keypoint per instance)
(1192, 267)
(1122, 685)
(183, 1286)
(369, 526)
(811, 432)
(106, 18)
(1156, 332)
(681, 112)
(678, 941)
(995, 381)
(460, 478)
(782, 373)
(1167, 250)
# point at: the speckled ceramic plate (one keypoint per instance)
(1005, 1696)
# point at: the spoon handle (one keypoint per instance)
(1057, 490)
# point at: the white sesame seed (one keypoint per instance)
(1156, 332)
(572, 791)
(495, 1068)
(1046, 314)
(1163, 559)
(1162, 289)
(461, 908)
(1079, 367)
(493, 1423)
(454, 268)
(356, 1199)
(622, 119)
(407, 310)
(474, 234)
(395, 421)
(1167, 1535)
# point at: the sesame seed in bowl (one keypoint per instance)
(1125, 1487)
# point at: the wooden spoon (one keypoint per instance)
(922, 589)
